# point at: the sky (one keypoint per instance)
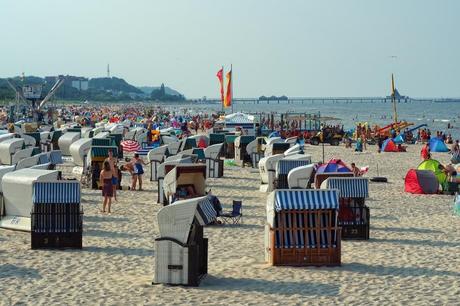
(298, 48)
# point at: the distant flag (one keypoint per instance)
(228, 95)
(220, 76)
(393, 96)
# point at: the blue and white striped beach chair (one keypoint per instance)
(354, 215)
(56, 217)
(302, 228)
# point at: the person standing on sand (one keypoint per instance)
(138, 171)
(105, 178)
(113, 165)
(425, 153)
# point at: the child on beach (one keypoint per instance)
(138, 171)
(105, 178)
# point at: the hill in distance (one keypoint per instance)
(169, 91)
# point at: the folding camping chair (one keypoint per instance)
(234, 216)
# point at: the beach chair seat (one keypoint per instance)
(235, 216)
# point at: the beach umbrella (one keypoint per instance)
(334, 165)
(130, 145)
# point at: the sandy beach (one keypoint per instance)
(411, 258)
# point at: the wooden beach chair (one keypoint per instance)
(302, 228)
(354, 215)
(56, 217)
(284, 166)
(214, 164)
(181, 251)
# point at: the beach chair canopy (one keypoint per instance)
(239, 119)
(349, 187)
(66, 140)
(157, 154)
(213, 151)
(171, 163)
(17, 189)
(300, 177)
(286, 165)
(303, 199)
(55, 157)
(434, 166)
(243, 140)
(438, 145)
(216, 138)
(102, 142)
(421, 182)
(334, 165)
(65, 192)
(175, 220)
(184, 175)
(79, 150)
(8, 147)
(295, 149)
(103, 151)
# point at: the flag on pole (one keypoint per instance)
(228, 95)
(393, 97)
(220, 76)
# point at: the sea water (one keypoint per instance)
(436, 115)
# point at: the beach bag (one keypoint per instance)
(457, 204)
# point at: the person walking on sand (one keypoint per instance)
(113, 165)
(138, 171)
(105, 178)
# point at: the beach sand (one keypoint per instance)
(411, 258)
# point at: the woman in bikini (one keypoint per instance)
(105, 178)
(138, 171)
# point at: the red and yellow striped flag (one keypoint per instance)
(220, 76)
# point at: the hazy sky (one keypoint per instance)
(296, 48)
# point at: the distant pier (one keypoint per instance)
(310, 100)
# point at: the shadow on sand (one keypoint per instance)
(424, 243)
(118, 251)
(8, 270)
(407, 230)
(108, 234)
(280, 288)
(104, 218)
(381, 270)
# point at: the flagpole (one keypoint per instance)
(231, 86)
(222, 89)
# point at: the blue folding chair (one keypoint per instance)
(235, 216)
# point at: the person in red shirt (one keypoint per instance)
(425, 153)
